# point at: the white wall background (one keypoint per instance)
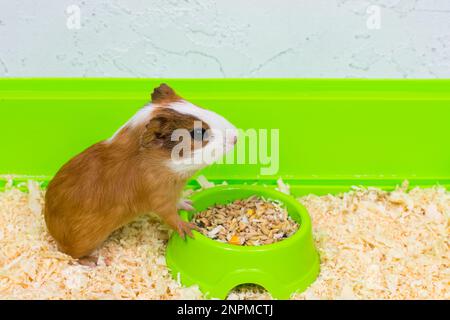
(228, 38)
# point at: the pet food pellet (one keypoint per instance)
(253, 221)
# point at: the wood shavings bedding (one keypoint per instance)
(373, 245)
(32, 268)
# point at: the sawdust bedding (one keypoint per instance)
(373, 245)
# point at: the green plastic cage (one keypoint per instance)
(333, 134)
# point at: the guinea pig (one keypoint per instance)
(134, 172)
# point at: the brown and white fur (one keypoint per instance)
(132, 173)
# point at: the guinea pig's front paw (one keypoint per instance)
(185, 228)
(185, 204)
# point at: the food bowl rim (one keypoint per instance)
(304, 225)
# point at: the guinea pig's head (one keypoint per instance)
(188, 136)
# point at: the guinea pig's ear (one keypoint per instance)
(164, 93)
(156, 132)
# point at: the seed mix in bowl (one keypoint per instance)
(250, 222)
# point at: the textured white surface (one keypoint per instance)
(233, 38)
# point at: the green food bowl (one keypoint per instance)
(282, 268)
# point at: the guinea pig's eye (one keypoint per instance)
(198, 134)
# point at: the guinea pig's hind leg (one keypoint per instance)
(83, 248)
(92, 260)
(185, 204)
(89, 261)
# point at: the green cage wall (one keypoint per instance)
(333, 134)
